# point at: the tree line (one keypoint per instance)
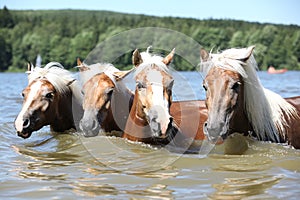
(64, 35)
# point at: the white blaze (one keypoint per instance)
(160, 104)
(32, 93)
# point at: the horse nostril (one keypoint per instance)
(171, 120)
(26, 123)
(94, 125)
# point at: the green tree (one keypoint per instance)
(6, 19)
(5, 53)
(66, 34)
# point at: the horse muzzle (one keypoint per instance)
(159, 121)
(89, 128)
(214, 134)
(24, 135)
(22, 125)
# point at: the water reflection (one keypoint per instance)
(58, 166)
(93, 189)
(238, 188)
(156, 191)
(42, 176)
(126, 156)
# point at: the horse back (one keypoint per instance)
(293, 133)
(190, 116)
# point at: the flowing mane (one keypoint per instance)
(263, 107)
(62, 80)
(149, 60)
(98, 68)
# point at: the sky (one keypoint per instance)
(263, 11)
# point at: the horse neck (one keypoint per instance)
(119, 109)
(63, 119)
(137, 128)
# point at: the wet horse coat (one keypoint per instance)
(107, 100)
(237, 102)
(149, 117)
(103, 90)
(154, 118)
(51, 98)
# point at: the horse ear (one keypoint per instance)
(204, 55)
(168, 59)
(81, 66)
(70, 82)
(136, 58)
(120, 75)
(248, 53)
(30, 67)
(79, 63)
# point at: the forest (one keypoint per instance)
(65, 35)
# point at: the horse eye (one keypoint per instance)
(236, 86)
(109, 91)
(169, 90)
(140, 85)
(49, 95)
(23, 95)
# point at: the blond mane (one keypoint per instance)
(109, 70)
(263, 107)
(98, 68)
(149, 60)
(61, 79)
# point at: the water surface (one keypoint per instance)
(66, 166)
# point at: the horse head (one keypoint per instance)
(153, 92)
(224, 86)
(47, 98)
(102, 84)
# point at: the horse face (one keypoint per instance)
(96, 104)
(39, 107)
(223, 89)
(154, 94)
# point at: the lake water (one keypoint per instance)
(66, 166)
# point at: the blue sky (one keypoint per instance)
(264, 11)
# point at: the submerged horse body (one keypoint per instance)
(154, 118)
(51, 98)
(107, 103)
(237, 102)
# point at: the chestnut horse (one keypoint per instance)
(107, 103)
(237, 102)
(149, 117)
(107, 100)
(48, 100)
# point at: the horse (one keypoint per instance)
(149, 119)
(51, 97)
(237, 102)
(106, 101)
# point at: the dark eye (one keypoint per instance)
(109, 91)
(140, 85)
(82, 92)
(169, 91)
(236, 86)
(204, 87)
(23, 95)
(49, 95)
